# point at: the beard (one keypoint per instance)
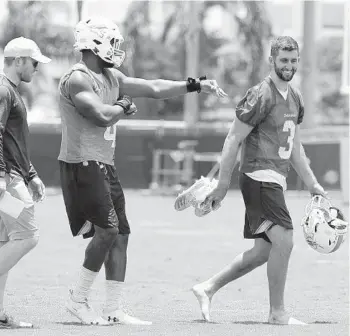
(105, 64)
(282, 75)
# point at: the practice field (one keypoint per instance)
(169, 252)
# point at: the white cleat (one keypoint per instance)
(8, 322)
(195, 194)
(120, 317)
(187, 197)
(202, 210)
(84, 312)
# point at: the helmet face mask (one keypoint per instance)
(102, 37)
(324, 226)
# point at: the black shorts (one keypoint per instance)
(92, 192)
(265, 207)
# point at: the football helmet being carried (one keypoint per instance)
(324, 226)
(102, 37)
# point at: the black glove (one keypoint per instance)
(126, 103)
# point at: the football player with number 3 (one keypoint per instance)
(267, 128)
(94, 96)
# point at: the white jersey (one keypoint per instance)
(82, 140)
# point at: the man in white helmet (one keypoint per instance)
(94, 96)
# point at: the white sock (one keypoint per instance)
(83, 285)
(113, 296)
(3, 279)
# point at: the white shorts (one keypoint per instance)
(24, 226)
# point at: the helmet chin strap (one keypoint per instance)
(318, 202)
(341, 227)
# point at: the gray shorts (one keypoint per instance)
(265, 207)
(24, 226)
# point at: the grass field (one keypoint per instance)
(168, 253)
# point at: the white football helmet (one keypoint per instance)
(324, 226)
(102, 37)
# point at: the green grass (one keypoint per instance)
(168, 253)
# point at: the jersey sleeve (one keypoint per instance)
(5, 107)
(251, 109)
(301, 109)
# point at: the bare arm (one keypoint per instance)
(89, 104)
(234, 139)
(236, 135)
(300, 163)
(156, 89)
(161, 88)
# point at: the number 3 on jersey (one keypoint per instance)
(110, 134)
(285, 152)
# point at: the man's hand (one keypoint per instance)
(38, 189)
(317, 189)
(128, 106)
(216, 197)
(211, 86)
(132, 110)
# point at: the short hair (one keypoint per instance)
(283, 43)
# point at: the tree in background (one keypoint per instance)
(33, 19)
(332, 106)
(151, 57)
(235, 56)
(236, 59)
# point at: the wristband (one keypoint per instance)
(125, 102)
(194, 84)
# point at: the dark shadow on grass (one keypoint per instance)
(195, 321)
(204, 322)
(258, 322)
(249, 322)
(78, 324)
(72, 324)
(19, 328)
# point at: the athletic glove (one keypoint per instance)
(126, 103)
